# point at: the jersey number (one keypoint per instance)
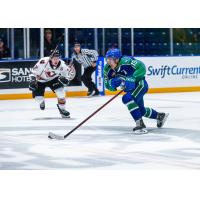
(134, 62)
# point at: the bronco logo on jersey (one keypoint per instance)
(50, 73)
(5, 75)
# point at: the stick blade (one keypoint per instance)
(54, 136)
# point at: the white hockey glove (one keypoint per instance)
(71, 73)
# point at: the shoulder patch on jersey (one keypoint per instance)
(42, 61)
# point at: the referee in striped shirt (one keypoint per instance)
(88, 59)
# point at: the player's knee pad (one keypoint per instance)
(60, 93)
(126, 98)
(61, 101)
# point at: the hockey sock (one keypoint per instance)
(134, 110)
(151, 113)
(61, 103)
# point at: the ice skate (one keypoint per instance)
(97, 93)
(42, 105)
(64, 113)
(161, 119)
(91, 93)
(140, 127)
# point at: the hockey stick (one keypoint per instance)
(58, 137)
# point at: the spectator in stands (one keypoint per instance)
(180, 35)
(4, 50)
(49, 44)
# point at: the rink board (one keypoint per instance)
(164, 74)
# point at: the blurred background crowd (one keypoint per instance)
(32, 43)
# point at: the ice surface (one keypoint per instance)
(106, 141)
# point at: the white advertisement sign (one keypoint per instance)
(165, 72)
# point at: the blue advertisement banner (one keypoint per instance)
(99, 75)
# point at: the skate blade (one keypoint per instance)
(54, 136)
(140, 132)
(164, 120)
(66, 117)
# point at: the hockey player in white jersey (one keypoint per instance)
(51, 72)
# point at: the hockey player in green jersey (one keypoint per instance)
(129, 73)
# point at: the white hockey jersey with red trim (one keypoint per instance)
(44, 72)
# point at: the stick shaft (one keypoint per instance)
(85, 120)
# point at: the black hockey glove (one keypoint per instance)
(63, 80)
(32, 83)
